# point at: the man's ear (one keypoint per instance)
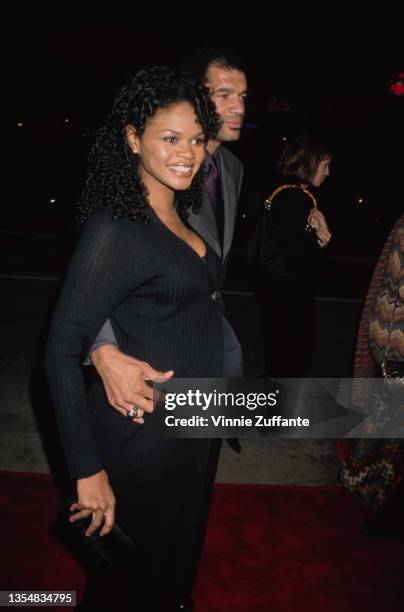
(132, 138)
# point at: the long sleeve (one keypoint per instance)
(298, 246)
(97, 281)
(105, 336)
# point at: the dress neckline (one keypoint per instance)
(201, 257)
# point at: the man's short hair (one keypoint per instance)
(200, 59)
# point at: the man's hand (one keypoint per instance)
(124, 379)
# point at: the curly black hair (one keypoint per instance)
(112, 181)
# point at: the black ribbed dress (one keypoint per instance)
(157, 292)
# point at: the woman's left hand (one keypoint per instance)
(95, 498)
(319, 222)
(323, 237)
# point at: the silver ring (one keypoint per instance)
(133, 412)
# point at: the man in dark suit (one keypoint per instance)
(125, 377)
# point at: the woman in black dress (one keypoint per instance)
(138, 264)
(297, 232)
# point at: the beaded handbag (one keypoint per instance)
(263, 243)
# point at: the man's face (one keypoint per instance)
(228, 89)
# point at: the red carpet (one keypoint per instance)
(278, 548)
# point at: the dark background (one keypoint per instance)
(332, 76)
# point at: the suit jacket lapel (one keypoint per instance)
(205, 224)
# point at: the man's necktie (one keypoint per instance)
(212, 184)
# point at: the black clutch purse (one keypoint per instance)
(116, 548)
